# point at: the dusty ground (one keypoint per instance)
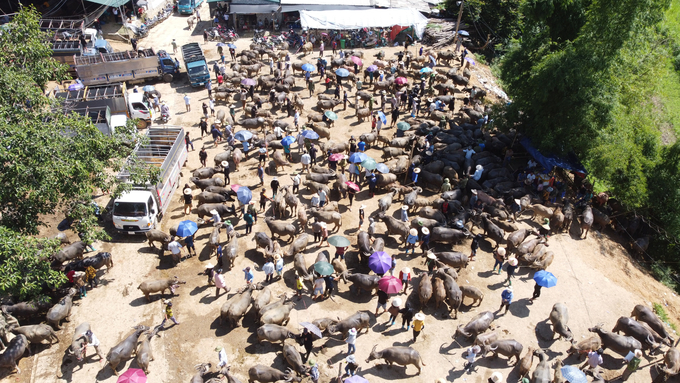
(597, 281)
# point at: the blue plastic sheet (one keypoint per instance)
(549, 161)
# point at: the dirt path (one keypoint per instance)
(596, 282)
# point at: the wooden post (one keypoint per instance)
(410, 158)
(460, 15)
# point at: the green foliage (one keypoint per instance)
(661, 312)
(25, 272)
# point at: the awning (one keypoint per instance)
(321, 7)
(369, 18)
(550, 161)
(343, 3)
(110, 3)
(243, 9)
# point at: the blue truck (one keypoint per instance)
(130, 66)
(196, 64)
(186, 7)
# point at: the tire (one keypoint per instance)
(167, 77)
(141, 124)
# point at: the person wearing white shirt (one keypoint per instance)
(322, 198)
(531, 164)
(378, 125)
(278, 132)
(93, 341)
(296, 182)
(176, 250)
(315, 200)
(306, 159)
(300, 142)
(478, 173)
(222, 356)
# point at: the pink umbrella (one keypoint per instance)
(390, 285)
(132, 375)
(353, 186)
(235, 188)
(357, 61)
(401, 80)
(336, 156)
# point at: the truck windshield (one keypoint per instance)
(129, 209)
(185, 3)
(198, 69)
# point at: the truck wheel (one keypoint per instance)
(167, 77)
(141, 124)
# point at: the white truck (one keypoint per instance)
(142, 208)
(102, 118)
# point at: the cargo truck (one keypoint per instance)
(115, 96)
(65, 49)
(196, 64)
(187, 7)
(102, 118)
(142, 208)
(129, 66)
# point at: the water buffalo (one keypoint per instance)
(474, 293)
(526, 362)
(425, 290)
(293, 357)
(364, 282)
(72, 251)
(622, 345)
(476, 325)
(274, 333)
(298, 246)
(262, 240)
(327, 104)
(397, 355)
(453, 293)
(328, 217)
(143, 355)
(203, 184)
(14, 351)
(222, 209)
(159, 285)
(395, 226)
(264, 374)
(585, 346)
(447, 235)
(96, 261)
(61, 310)
(208, 197)
(586, 221)
(672, 362)
(282, 228)
(646, 315)
(204, 173)
(505, 347)
(358, 321)
(633, 328)
(517, 237)
(542, 372)
(559, 317)
(123, 350)
(482, 340)
(279, 315)
(453, 258)
(240, 305)
(36, 333)
(154, 235)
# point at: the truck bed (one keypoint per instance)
(117, 67)
(112, 96)
(192, 52)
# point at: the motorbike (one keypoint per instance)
(165, 117)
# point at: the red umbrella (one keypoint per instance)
(132, 375)
(401, 80)
(353, 186)
(390, 285)
(357, 61)
(235, 188)
(336, 156)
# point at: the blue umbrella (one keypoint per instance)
(288, 140)
(244, 194)
(243, 135)
(426, 70)
(355, 379)
(357, 157)
(433, 60)
(186, 228)
(221, 44)
(573, 375)
(463, 33)
(310, 134)
(382, 168)
(382, 117)
(545, 278)
(232, 46)
(342, 72)
(148, 88)
(308, 67)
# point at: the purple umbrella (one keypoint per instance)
(355, 379)
(380, 262)
(248, 82)
(372, 68)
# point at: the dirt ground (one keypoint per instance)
(597, 281)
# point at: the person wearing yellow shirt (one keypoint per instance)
(418, 325)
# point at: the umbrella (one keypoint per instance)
(355, 379)
(235, 188)
(323, 268)
(338, 241)
(433, 60)
(313, 329)
(545, 278)
(308, 67)
(369, 163)
(357, 60)
(244, 194)
(573, 374)
(403, 125)
(353, 186)
(471, 61)
(186, 228)
(380, 262)
(382, 117)
(401, 80)
(336, 157)
(243, 135)
(76, 86)
(342, 72)
(331, 116)
(372, 68)
(132, 375)
(231, 46)
(221, 44)
(357, 157)
(248, 82)
(288, 140)
(390, 285)
(382, 168)
(463, 33)
(426, 70)
(148, 88)
(310, 134)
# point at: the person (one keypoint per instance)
(226, 171)
(209, 271)
(340, 252)
(499, 256)
(372, 183)
(249, 222)
(260, 173)
(479, 169)
(414, 175)
(93, 341)
(352, 365)
(248, 275)
(187, 142)
(418, 325)
(431, 262)
(330, 283)
(187, 102)
(263, 154)
(222, 356)
(506, 298)
(296, 182)
(404, 213)
(361, 213)
(411, 241)
(315, 200)
(91, 276)
(394, 311)
(318, 288)
(405, 277)
(351, 340)
(321, 49)
(211, 105)
(298, 285)
(322, 197)
(263, 199)
(446, 186)
(189, 242)
(424, 240)
(219, 283)
(216, 134)
(188, 198)
(361, 146)
(537, 292)
(278, 262)
(215, 216)
(310, 86)
(316, 229)
(470, 357)
(350, 195)
(324, 234)
(268, 269)
(633, 360)
(176, 250)
(251, 209)
(274, 185)
(174, 46)
(168, 314)
(382, 302)
(312, 154)
(344, 100)
(203, 157)
(474, 246)
(595, 360)
(78, 279)
(512, 266)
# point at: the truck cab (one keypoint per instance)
(186, 7)
(140, 107)
(198, 73)
(135, 211)
(168, 65)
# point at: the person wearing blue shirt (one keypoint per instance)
(246, 147)
(506, 297)
(248, 275)
(411, 241)
(362, 146)
(372, 182)
(189, 242)
(414, 175)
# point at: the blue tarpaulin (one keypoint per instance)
(550, 161)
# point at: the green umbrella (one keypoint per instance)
(338, 241)
(369, 163)
(331, 116)
(323, 268)
(403, 125)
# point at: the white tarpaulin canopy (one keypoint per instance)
(370, 18)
